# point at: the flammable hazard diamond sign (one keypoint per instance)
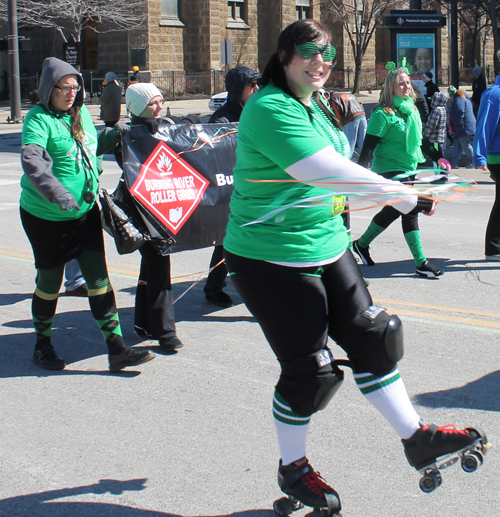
(168, 187)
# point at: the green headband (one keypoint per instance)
(392, 67)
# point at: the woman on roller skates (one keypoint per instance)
(394, 138)
(295, 273)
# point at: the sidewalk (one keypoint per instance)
(198, 106)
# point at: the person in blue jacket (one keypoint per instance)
(487, 157)
(464, 123)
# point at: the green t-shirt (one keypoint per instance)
(46, 130)
(390, 153)
(275, 131)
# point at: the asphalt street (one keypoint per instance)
(191, 434)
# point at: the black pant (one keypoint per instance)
(216, 280)
(298, 308)
(492, 245)
(154, 309)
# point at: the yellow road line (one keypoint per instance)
(132, 273)
(444, 317)
(439, 308)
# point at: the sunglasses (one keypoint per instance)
(310, 49)
(252, 84)
(68, 89)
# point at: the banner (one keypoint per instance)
(181, 178)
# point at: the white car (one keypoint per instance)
(217, 101)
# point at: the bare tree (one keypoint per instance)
(359, 18)
(70, 17)
(479, 16)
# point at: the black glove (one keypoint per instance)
(65, 199)
(152, 124)
(122, 127)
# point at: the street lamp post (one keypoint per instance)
(453, 41)
(15, 87)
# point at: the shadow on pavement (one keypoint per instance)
(481, 394)
(45, 504)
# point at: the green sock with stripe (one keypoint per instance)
(291, 430)
(44, 303)
(387, 393)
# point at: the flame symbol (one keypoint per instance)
(164, 165)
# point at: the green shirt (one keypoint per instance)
(390, 154)
(46, 130)
(276, 131)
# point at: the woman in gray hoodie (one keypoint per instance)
(59, 213)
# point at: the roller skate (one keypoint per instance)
(305, 487)
(433, 448)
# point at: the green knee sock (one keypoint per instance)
(415, 245)
(373, 231)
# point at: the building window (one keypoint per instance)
(169, 9)
(236, 11)
(170, 13)
(303, 9)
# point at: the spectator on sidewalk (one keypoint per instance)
(478, 87)
(110, 100)
(464, 125)
(431, 88)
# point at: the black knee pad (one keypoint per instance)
(374, 341)
(309, 383)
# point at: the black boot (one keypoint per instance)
(46, 357)
(128, 357)
(169, 344)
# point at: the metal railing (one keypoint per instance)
(178, 85)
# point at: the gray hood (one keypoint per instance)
(53, 70)
(439, 99)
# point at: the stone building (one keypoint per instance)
(186, 38)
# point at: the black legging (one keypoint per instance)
(298, 308)
(389, 214)
(492, 245)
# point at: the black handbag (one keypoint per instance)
(118, 220)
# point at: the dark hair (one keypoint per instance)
(428, 75)
(301, 31)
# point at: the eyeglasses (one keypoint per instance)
(310, 49)
(156, 103)
(252, 84)
(68, 89)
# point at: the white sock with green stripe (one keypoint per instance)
(388, 394)
(291, 430)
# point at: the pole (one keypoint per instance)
(453, 39)
(15, 86)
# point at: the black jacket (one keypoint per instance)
(236, 80)
(478, 87)
(431, 90)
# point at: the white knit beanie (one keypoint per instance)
(138, 96)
